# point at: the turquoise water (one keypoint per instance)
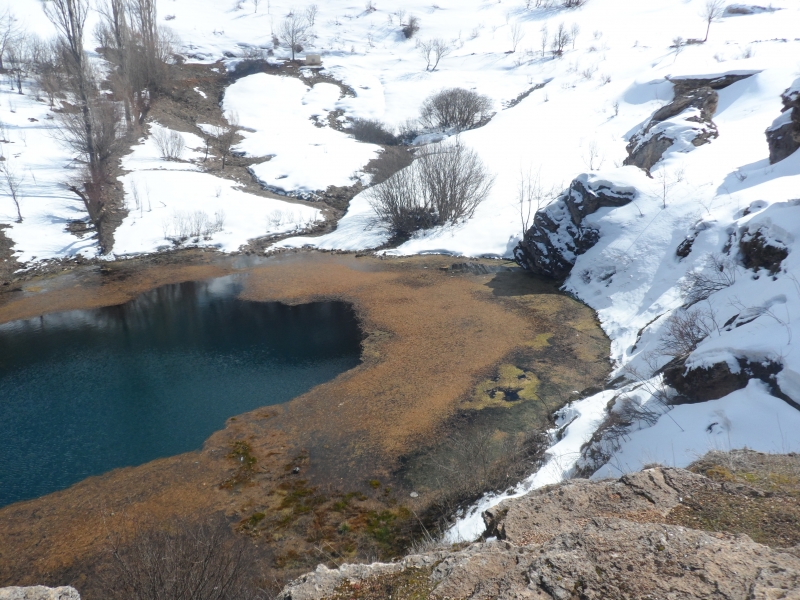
(84, 392)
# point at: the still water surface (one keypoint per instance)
(83, 392)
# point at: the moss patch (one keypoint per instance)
(510, 384)
(772, 518)
(410, 584)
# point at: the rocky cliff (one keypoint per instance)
(583, 540)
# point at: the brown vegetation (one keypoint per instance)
(432, 338)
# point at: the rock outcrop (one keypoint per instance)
(587, 540)
(558, 235)
(686, 121)
(39, 592)
(783, 136)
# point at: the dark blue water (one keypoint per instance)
(83, 392)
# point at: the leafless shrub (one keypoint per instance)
(186, 225)
(294, 31)
(572, 3)
(685, 329)
(12, 181)
(531, 197)
(719, 272)
(455, 108)
(372, 131)
(411, 27)
(170, 144)
(434, 51)
(182, 561)
(517, 33)
(445, 184)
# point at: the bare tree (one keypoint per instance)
(19, 61)
(255, 6)
(12, 181)
(225, 137)
(455, 108)
(574, 31)
(80, 129)
(10, 30)
(311, 14)
(294, 31)
(545, 37)
(47, 69)
(712, 12)
(560, 40)
(445, 184)
(434, 50)
(517, 33)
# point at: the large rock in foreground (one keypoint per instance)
(783, 136)
(582, 540)
(558, 235)
(39, 592)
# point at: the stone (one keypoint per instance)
(39, 592)
(783, 136)
(694, 104)
(591, 540)
(558, 235)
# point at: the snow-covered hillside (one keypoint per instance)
(693, 220)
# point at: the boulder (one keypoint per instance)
(783, 136)
(39, 592)
(687, 120)
(558, 235)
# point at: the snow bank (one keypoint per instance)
(173, 203)
(306, 155)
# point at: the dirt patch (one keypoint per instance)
(771, 517)
(432, 338)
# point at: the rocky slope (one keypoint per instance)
(583, 539)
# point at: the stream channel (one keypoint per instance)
(86, 391)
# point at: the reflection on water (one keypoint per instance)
(83, 392)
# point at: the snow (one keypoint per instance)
(163, 198)
(277, 113)
(44, 167)
(748, 418)
(594, 98)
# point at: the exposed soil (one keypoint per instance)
(321, 478)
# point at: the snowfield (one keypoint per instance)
(587, 105)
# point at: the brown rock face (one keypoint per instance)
(783, 136)
(586, 540)
(646, 147)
